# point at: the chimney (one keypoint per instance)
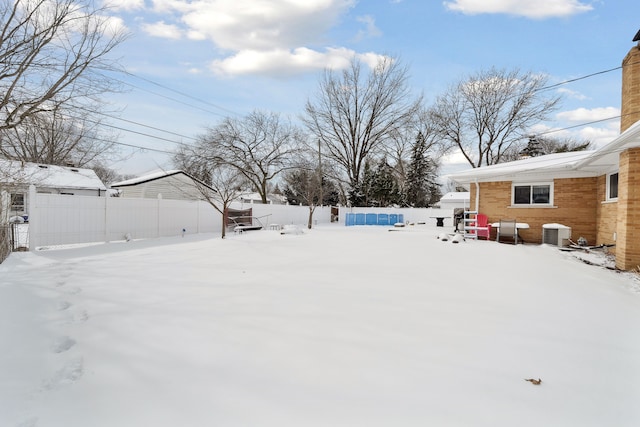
(631, 86)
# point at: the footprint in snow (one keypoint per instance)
(81, 316)
(71, 372)
(63, 305)
(29, 422)
(62, 344)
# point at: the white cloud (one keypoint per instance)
(600, 136)
(538, 9)
(257, 25)
(370, 29)
(584, 115)
(274, 37)
(125, 4)
(279, 62)
(160, 29)
(572, 94)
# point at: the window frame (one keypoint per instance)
(531, 185)
(608, 186)
(18, 207)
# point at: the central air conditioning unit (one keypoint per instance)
(556, 234)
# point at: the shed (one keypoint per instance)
(173, 184)
(453, 200)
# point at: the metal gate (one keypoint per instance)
(13, 237)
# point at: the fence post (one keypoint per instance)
(33, 217)
(158, 217)
(106, 217)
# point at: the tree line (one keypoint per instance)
(363, 138)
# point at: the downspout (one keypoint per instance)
(477, 196)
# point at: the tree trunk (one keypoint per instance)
(310, 222)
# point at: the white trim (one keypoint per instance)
(531, 184)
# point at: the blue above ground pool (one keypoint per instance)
(372, 219)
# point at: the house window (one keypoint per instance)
(532, 194)
(612, 186)
(17, 202)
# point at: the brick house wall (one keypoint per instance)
(607, 215)
(630, 106)
(628, 215)
(574, 206)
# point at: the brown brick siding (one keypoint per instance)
(628, 244)
(574, 206)
(607, 215)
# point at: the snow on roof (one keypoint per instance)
(148, 177)
(574, 164)
(541, 167)
(157, 175)
(608, 156)
(49, 176)
(455, 196)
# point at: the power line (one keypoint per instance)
(165, 87)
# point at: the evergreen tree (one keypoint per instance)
(532, 149)
(422, 187)
(384, 190)
(360, 194)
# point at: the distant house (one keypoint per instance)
(173, 184)
(595, 193)
(16, 177)
(275, 199)
(453, 200)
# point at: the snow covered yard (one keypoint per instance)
(339, 326)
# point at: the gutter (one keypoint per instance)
(477, 196)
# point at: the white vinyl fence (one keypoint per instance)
(60, 219)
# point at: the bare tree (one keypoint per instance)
(305, 186)
(57, 138)
(259, 146)
(218, 182)
(308, 186)
(541, 145)
(52, 52)
(225, 182)
(402, 143)
(355, 113)
(488, 113)
(562, 145)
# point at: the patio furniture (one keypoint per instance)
(483, 226)
(475, 225)
(439, 220)
(509, 229)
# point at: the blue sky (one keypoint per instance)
(191, 63)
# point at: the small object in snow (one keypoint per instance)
(457, 238)
(443, 237)
(291, 229)
(534, 381)
(127, 237)
(582, 241)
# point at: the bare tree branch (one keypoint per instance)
(52, 52)
(260, 146)
(485, 115)
(354, 114)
